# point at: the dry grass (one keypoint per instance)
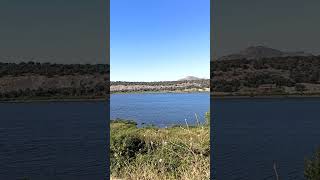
(159, 153)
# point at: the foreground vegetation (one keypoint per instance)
(159, 153)
(312, 166)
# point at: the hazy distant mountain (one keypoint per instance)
(258, 52)
(190, 78)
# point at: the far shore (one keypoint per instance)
(158, 92)
(52, 99)
(214, 96)
(269, 96)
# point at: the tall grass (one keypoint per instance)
(179, 152)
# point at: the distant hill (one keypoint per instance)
(43, 81)
(289, 75)
(190, 78)
(161, 86)
(259, 52)
(33, 80)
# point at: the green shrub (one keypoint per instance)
(312, 167)
(159, 153)
(207, 117)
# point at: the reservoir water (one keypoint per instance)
(67, 140)
(253, 134)
(160, 109)
(53, 140)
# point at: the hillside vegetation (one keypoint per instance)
(162, 86)
(51, 69)
(266, 76)
(36, 81)
(231, 76)
(32, 80)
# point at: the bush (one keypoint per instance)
(159, 153)
(312, 167)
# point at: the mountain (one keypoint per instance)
(259, 52)
(190, 78)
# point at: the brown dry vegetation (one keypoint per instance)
(167, 86)
(155, 153)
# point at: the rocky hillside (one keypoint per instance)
(24, 81)
(35, 80)
(266, 75)
(173, 86)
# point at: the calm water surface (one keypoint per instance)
(251, 134)
(68, 140)
(55, 141)
(160, 109)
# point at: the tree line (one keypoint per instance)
(202, 82)
(79, 87)
(280, 71)
(51, 69)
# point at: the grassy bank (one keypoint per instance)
(159, 153)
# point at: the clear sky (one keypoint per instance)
(159, 40)
(288, 25)
(73, 31)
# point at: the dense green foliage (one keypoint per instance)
(33, 80)
(97, 91)
(312, 167)
(234, 75)
(154, 153)
(50, 69)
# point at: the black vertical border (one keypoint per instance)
(107, 174)
(212, 131)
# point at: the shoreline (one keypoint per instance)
(101, 99)
(55, 100)
(275, 96)
(159, 92)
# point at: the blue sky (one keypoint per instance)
(159, 40)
